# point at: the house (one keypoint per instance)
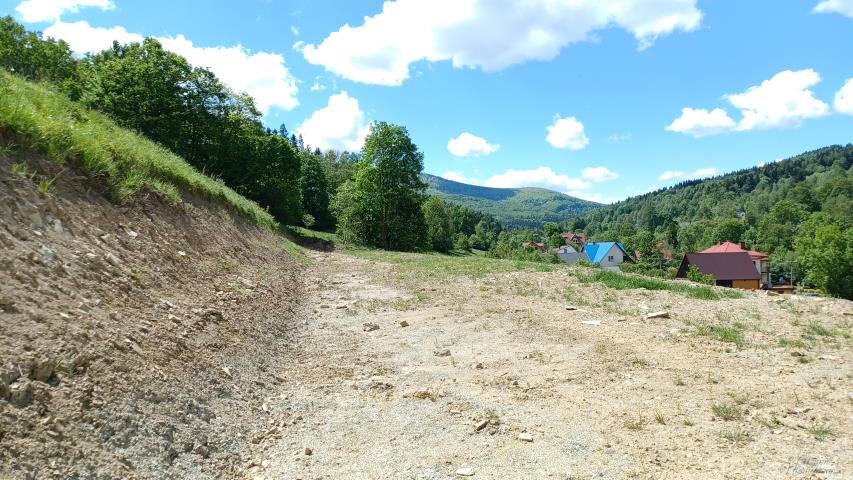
(535, 245)
(730, 269)
(569, 255)
(759, 259)
(576, 238)
(609, 255)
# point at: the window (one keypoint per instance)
(610, 258)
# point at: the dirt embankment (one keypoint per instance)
(137, 341)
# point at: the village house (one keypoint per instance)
(569, 255)
(729, 269)
(535, 245)
(759, 259)
(578, 239)
(608, 255)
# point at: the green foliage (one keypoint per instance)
(315, 191)
(621, 281)
(694, 275)
(724, 333)
(438, 233)
(49, 122)
(512, 207)
(381, 205)
(826, 252)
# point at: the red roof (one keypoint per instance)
(731, 247)
(579, 238)
(722, 265)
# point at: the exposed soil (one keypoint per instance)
(137, 341)
(158, 341)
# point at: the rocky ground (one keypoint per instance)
(137, 341)
(160, 341)
(407, 372)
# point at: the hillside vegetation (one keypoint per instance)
(513, 207)
(34, 117)
(799, 210)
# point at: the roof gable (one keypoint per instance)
(597, 251)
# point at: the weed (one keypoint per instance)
(600, 348)
(786, 343)
(727, 411)
(803, 359)
(821, 432)
(137, 277)
(688, 423)
(638, 361)
(20, 170)
(45, 186)
(679, 381)
(636, 424)
(771, 423)
(659, 418)
(736, 436)
(818, 329)
(739, 398)
(731, 333)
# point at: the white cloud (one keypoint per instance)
(567, 132)
(844, 7)
(469, 145)
(784, 100)
(599, 174)
(619, 137)
(844, 98)
(678, 174)
(458, 177)
(262, 75)
(486, 34)
(294, 30)
(541, 177)
(700, 122)
(34, 11)
(340, 125)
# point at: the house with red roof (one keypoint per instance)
(574, 238)
(759, 259)
(534, 245)
(729, 269)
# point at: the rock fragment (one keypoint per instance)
(660, 314)
(370, 327)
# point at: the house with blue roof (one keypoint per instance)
(609, 255)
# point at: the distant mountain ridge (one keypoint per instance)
(513, 207)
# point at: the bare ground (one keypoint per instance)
(484, 360)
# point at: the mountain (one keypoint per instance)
(513, 207)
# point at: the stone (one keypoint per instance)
(465, 472)
(212, 315)
(227, 372)
(308, 451)
(525, 437)
(404, 323)
(21, 393)
(47, 255)
(483, 424)
(571, 307)
(660, 314)
(112, 259)
(370, 327)
(42, 370)
(591, 322)
(442, 353)
(478, 366)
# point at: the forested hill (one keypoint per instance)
(512, 207)
(796, 209)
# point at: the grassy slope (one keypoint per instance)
(38, 118)
(527, 207)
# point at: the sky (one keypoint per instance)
(595, 98)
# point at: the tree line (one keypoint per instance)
(374, 197)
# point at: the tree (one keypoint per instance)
(826, 253)
(381, 205)
(438, 229)
(315, 190)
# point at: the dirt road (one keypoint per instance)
(406, 373)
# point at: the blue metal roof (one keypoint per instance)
(596, 251)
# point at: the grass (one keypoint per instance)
(660, 418)
(636, 424)
(688, 423)
(621, 281)
(724, 333)
(821, 432)
(818, 329)
(736, 436)
(66, 133)
(302, 236)
(439, 265)
(727, 411)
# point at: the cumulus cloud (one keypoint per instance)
(458, 177)
(678, 174)
(599, 174)
(262, 75)
(34, 11)
(568, 133)
(340, 125)
(701, 123)
(843, 7)
(844, 98)
(469, 145)
(784, 100)
(485, 34)
(542, 177)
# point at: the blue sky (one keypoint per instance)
(584, 97)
